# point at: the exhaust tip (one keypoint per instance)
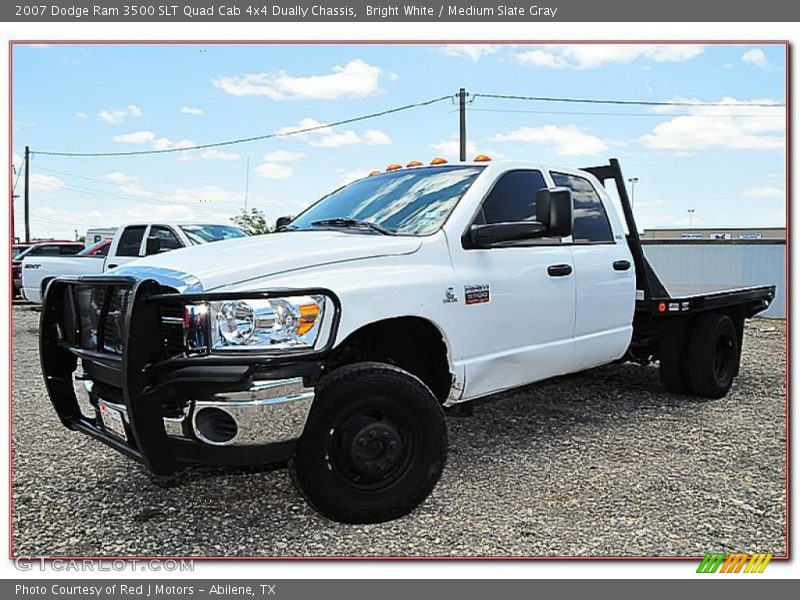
(215, 426)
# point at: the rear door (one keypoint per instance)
(517, 302)
(604, 276)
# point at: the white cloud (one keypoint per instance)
(756, 58)
(45, 183)
(734, 125)
(273, 170)
(328, 137)
(136, 137)
(335, 140)
(451, 147)
(474, 52)
(163, 143)
(356, 79)
(119, 177)
(763, 192)
(284, 156)
(376, 137)
(590, 56)
(274, 166)
(118, 115)
(305, 123)
(566, 140)
(79, 116)
(191, 110)
(131, 189)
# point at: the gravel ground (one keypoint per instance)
(604, 463)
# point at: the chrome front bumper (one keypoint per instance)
(271, 411)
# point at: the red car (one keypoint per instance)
(46, 248)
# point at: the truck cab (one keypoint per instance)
(337, 342)
(129, 243)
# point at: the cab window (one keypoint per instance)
(167, 237)
(513, 198)
(590, 224)
(130, 241)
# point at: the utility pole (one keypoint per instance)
(246, 183)
(462, 130)
(27, 194)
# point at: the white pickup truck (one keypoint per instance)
(337, 343)
(129, 243)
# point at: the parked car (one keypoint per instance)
(337, 342)
(40, 249)
(129, 243)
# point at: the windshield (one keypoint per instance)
(202, 234)
(409, 201)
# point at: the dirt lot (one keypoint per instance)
(603, 463)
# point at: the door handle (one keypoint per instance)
(622, 265)
(559, 270)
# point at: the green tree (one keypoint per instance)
(253, 222)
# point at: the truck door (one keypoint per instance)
(128, 246)
(517, 302)
(604, 276)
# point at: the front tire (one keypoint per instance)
(374, 444)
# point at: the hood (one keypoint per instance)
(210, 266)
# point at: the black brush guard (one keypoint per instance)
(149, 381)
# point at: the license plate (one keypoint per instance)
(112, 420)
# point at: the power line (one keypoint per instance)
(606, 114)
(267, 136)
(622, 102)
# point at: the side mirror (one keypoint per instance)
(153, 245)
(485, 236)
(282, 222)
(554, 210)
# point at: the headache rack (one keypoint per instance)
(653, 297)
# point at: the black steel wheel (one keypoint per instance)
(373, 447)
(713, 355)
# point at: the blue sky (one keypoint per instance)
(725, 162)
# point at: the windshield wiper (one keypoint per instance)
(341, 222)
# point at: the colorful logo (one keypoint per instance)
(734, 562)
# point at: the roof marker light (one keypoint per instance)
(375, 172)
(394, 167)
(481, 158)
(439, 161)
(414, 163)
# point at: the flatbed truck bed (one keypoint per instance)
(686, 327)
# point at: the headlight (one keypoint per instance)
(288, 323)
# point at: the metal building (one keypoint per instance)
(734, 260)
